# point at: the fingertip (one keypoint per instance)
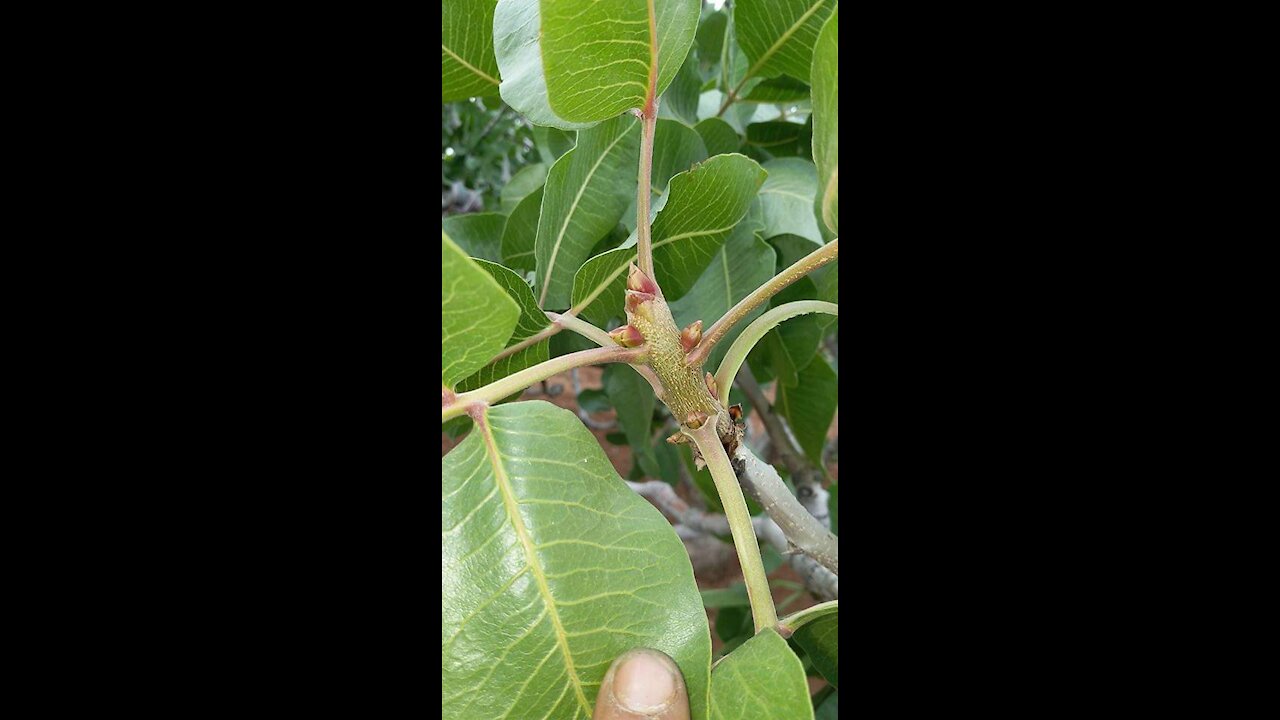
(643, 684)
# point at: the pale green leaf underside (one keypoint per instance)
(531, 321)
(826, 122)
(476, 315)
(742, 264)
(478, 234)
(467, 64)
(821, 640)
(551, 568)
(785, 203)
(516, 25)
(587, 192)
(570, 64)
(597, 56)
(777, 36)
(761, 679)
(702, 206)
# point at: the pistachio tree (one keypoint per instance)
(683, 227)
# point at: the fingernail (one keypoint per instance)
(644, 684)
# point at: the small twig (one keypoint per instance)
(799, 269)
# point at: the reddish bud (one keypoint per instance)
(627, 336)
(678, 438)
(690, 336)
(735, 412)
(637, 303)
(711, 384)
(695, 420)
(638, 281)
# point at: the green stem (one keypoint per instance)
(644, 242)
(516, 382)
(735, 511)
(737, 353)
(802, 267)
(572, 322)
(796, 620)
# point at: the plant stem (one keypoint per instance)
(644, 242)
(800, 527)
(754, 332)
(798, 619)
(572, 322)
(735, 510)
(802, 267)
(516, 382)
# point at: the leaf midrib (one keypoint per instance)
(782, 39)
(531, 557)
(551, 263)
(469, 66)
(578, 308)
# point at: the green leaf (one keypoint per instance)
(779, 138)
(676, 147)
(829, 709)
(829, 283)
(476, 314)
(761, 679)
(810, 404)
(680, 101)
(777, 36)
(528, 180)
(587, 191)
(478, 234)
(826, 122)
(570, 64)
(741, 265)
(520, 234)
(467, 65)
(634, 400)
(598, 56)
(779, 90)
(552, 142)
(702, 206)
(821, 640)
(733, 596)
(785, 203)
(594, 401)
(531, 321)
(786, 349)
(710, 37)
(718, 136)
(516, 28)
(552, 568)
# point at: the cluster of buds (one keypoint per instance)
(641, 291)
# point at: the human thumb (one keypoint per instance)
(643, 684)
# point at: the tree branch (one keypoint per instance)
(692, 524)
(802, 529)
(802, 267)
